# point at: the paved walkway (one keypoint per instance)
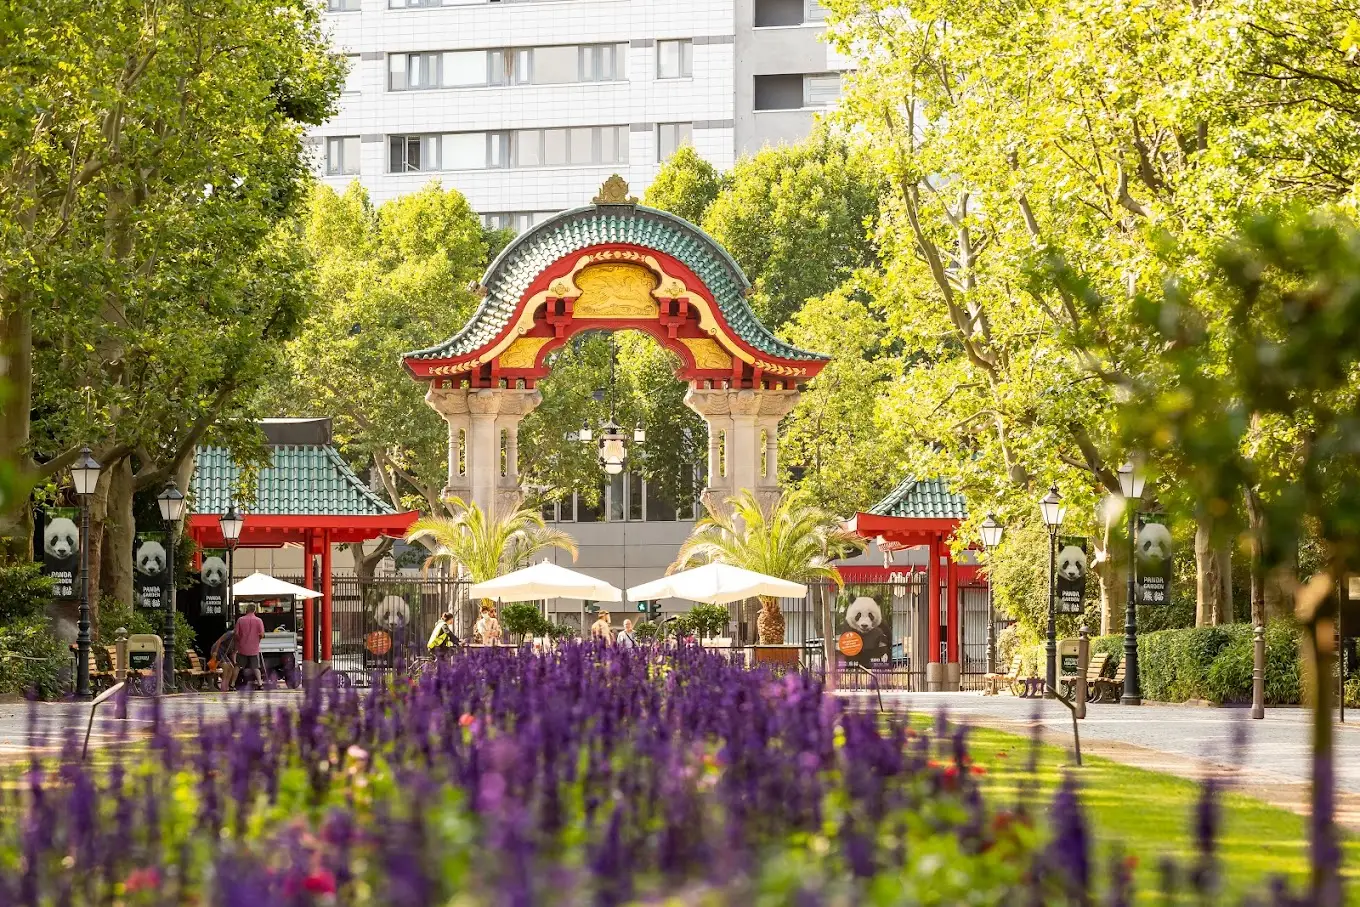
(1274, 761)
(20, 733)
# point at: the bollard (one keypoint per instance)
(120, 656)
(1083, 662)
(1258, 674)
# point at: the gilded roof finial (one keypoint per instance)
(614, 192)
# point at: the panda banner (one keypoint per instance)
(1153, 577)
(861, 636)
(1071, 570)
(212, 576)
(61, 551)
(149, 575)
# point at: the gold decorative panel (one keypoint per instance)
(523, 352)
(616, 291)
(707, 353)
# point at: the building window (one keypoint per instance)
(674, 59)
(669, 138)
(342, 155)
(779, 92)
(815, 12)
(496, 150)
(780, 13)
(352, 74)
(342, 6)
(522, 66)
(822, 90)
(519, 221)
(579, 145)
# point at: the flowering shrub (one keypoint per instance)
(589, 775)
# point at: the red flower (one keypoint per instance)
(1001, 754)
(319, 882)
(979, 770)
(148, 879)
(466, 719)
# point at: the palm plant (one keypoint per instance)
(483, 546)
(790, 539)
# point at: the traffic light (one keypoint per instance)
(592, 607)
(654, 609)
(642, 607)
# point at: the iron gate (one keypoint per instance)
(381, 622)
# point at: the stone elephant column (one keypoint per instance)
(740, 416)
(479, 415)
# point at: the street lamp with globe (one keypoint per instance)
(1131, 485)
(1053, 510)
(84, 476)
(991, 537)
(171, 503)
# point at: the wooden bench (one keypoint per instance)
(992, 683)
(1109, 689)
(196, 674)
(1095, 667)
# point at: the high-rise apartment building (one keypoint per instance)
(526, 106)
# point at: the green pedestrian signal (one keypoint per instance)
(642, 606)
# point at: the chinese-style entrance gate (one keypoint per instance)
(612, 265)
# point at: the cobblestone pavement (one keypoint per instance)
(24, 726)
(1273, 760)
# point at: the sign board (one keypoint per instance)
(1069, 656)
(1153, 562)
(144, 652)
(61, 551)
(212, 576)
(861, 636)
(150, 575)
(1071, 570)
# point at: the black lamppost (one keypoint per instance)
(171, 502)
(231, 522)
(1131, 484)
(991, 538)
(1053, 510)
(85, 476)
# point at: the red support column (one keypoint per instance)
(308, 608)
(326, 597)
(954, 612)
(933, 598)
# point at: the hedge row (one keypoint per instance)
(1209, 663)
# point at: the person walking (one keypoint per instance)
(249, 631)
(223, 655)
(443, 641)
(488, 629)
(601, 628)
(626, 639)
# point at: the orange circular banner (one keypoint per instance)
(378, 642)
(850, 644)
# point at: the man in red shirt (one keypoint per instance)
(249, 632)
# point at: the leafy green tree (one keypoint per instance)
(788, 539)
(1129, 144)
(522, 619)
(685, 185)
(708, 620)
(152, 158)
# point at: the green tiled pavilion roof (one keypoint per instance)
(580, 228)
(924, 499)
(303, 480)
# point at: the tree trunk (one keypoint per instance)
(16, 345)
(1114, 594)
(1278, 582)
(120, 533)
(1225, 572)
(1208, 575)
(770, 623)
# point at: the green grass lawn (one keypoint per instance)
(1151, 815)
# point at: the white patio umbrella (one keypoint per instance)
(545, 580)
(262, 585)
(716, 584)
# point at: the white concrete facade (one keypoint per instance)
(709, 100)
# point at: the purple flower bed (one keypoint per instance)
(584, 776)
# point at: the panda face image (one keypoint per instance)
(61, 539)
(863, 614)
(1154, 542)
(392, 612)
(1071, 563)
(214, 571)
(151, 558)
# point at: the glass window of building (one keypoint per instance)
(669, 138)
(815, 11)
(822, 90)
(555, 64)
(604, 62)
(342, 6)
(674, 59)
(342, 155)
(463, 151)
(352, 73)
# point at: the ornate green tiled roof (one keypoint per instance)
(304, 479)
(924, 499)
(580, 228)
